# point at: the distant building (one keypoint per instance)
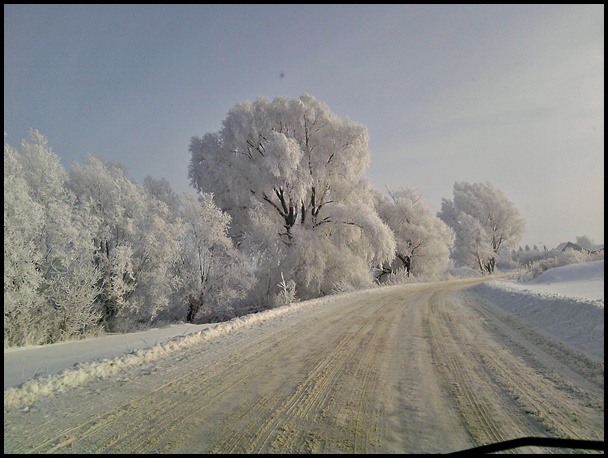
(570, 246)
(595, 249)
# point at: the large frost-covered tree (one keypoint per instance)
(486, 223)
(423, 240)
(291, 175)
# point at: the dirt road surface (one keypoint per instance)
(427, 368)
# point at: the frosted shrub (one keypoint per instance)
(339, 288)
(286, 294)
(398, 277)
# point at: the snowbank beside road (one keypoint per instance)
(567, 302)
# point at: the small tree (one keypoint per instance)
(213, 274)
(287, 292)
(585, 242)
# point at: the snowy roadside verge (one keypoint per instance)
(83, 372)
(34, 361)
(575, 320)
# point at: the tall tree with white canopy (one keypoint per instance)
(486, 223)
(291, 175)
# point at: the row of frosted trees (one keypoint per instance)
(90, 250)
(283, 212)
(290, 173)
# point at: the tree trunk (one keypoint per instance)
(194, 306)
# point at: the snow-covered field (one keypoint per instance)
(584, 281)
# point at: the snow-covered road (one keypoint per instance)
(424, 368)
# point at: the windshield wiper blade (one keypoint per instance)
(535, 442)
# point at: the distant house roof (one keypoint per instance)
(569, 245)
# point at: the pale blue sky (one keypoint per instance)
(510, 94)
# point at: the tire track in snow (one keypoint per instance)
(457, 351)
(536, 370)
(327, 371)
(162, 404)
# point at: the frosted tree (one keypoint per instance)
(70, 275)
(139, 240)
(486, 223)
(212, 273)
(155, 259)
(92, 249)
(423, 240)
(291, 175)
(161, 190)
(25, 313)
(115, 206)
(59, 242)
(585, 242)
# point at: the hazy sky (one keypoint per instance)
(507, 94)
